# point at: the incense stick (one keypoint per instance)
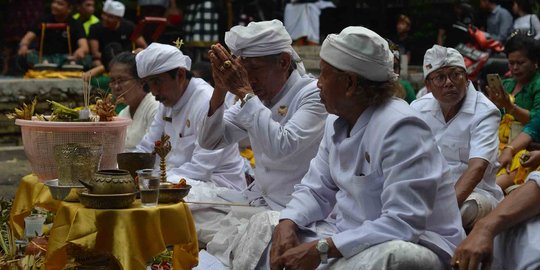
(221, 203)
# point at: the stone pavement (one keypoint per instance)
(13, 166)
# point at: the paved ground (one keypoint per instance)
(13, 166)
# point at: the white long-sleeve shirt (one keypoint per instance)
(385, 181)
(284, 136)
(472, 133)
(142, 119)
(187, 159)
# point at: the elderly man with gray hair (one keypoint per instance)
(378, 170)
(465, 125)
(279, 108)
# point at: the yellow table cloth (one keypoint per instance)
(31, 193)
(133, 236)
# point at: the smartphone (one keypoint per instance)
(494, 81)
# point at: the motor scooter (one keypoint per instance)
(482, 54)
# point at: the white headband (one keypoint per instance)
(438, 57)
(114, 8)
(262, 39)
(159, 58)
(362, 51)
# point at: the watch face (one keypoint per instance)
(322, 246)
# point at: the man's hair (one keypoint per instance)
(276, 57)
(173, 72)
(375, 93)
(404, 18)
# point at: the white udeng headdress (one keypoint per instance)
(262, 39)
(439, 56)
(362, 51)
(159, 58)
(114, 7)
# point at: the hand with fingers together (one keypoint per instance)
(228, 72)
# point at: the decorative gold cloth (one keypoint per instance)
(50, 74)
(133, 236)
(31, 193)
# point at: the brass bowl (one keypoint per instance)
(173, 195)
(63, 193)
(106, 201)
(132, 161)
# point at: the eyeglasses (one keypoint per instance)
(454, 75)
(120, 81)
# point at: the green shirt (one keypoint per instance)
(86, 25)
(528, 98)
(410, 94)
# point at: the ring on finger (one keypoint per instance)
(227, 64)
(221, 68)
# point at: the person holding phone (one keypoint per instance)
(518, 99)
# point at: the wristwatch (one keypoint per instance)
(247, 97)
(322, 248)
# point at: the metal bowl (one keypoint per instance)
(64, 193)
(135, 161)
(173, 195)
(106, 201)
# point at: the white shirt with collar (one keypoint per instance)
(142, 119)
(284, 136)
(385, 181)
(187, 158)
(472, 133)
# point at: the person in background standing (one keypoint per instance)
(526, 21)
(499, 20)
(301, 20)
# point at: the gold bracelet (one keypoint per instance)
(513, 102)
(510, 147)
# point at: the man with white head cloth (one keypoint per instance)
(184, 104)
(279, 108)
(378, 168)
(113, 30)
(465, 124)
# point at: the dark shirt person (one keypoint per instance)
(56, 48)
(112, 29)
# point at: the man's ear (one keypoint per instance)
(285, 61)
(427, 84)
(181, 74)
(352, 85)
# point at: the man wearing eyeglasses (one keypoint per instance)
(184, 104)
(465, 125)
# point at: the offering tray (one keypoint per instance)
(106, 201)
(63, 193)
(173, 195)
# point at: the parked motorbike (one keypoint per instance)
(482, 54)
